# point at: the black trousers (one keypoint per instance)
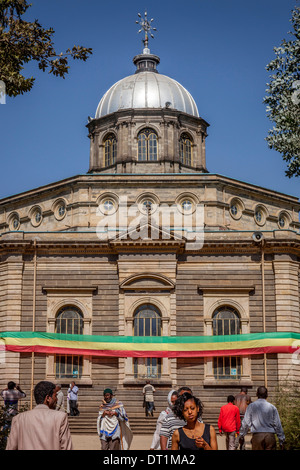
(73, 408)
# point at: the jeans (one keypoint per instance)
(149, 407)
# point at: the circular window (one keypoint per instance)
(60, 209)
(236, 208)
(14, 222)
(108, 204)
(186, 203)
(260, 215)
(283, 221)
(147, 206)
(36, 217)
(147, 203)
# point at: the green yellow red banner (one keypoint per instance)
(146, 346)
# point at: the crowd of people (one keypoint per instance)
(179, 427)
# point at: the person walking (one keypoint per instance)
(229, 422)
(113, 424)
(73, 399)
(263, 420)
(11, 396)
(172, 422)
(60, 399)
(148, 392)
(42, 428)
(242, 400)
(193, 435)
(172, 397)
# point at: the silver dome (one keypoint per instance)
(146, 90)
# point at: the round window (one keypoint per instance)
(186, 205)
(36, 217)
(108, 205)
(283, 221)
(260, 215)
(15, 223)
(236, 208)
(233, 210)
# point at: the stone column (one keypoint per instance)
(287, 310)
(11, 277)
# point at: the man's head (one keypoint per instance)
(58, 386)
(230, 399)
(262, 392)
(184, 389)
(11, 385)
(244, 390)
(45, 394)
(107, 394)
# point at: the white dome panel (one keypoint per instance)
(146, 90)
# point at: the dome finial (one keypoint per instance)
(147, 28)
(146, 62)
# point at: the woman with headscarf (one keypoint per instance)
(172, 397)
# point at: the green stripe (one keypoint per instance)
(151, 339)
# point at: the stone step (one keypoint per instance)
(87, 424)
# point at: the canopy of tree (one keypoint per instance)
(23, 41)
(283, 99)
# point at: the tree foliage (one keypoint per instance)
(283, 99)
(23, 41)
(4, 429)
(287, 402)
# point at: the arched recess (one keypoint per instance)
(146, 289)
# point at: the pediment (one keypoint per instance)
(147, 232)
(146, 281)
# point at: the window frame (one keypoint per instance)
(226, 329)
(110, 149)
(186, 149)
(150, 364)
(147, 150)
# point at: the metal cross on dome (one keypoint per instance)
(146, 27)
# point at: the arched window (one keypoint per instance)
(69, 321)
(226, 321)
(110, 150)
(147, 145)
(185, 148)
(147, 322)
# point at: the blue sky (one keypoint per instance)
(216, 49)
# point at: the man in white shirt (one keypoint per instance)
(148, 392)
(60, 398)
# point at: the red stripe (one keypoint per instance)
(122, 353)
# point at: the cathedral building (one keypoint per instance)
(149, 266)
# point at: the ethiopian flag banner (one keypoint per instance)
(146, 346)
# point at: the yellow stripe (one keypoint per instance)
(150, 347)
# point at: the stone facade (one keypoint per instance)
(56, 251)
